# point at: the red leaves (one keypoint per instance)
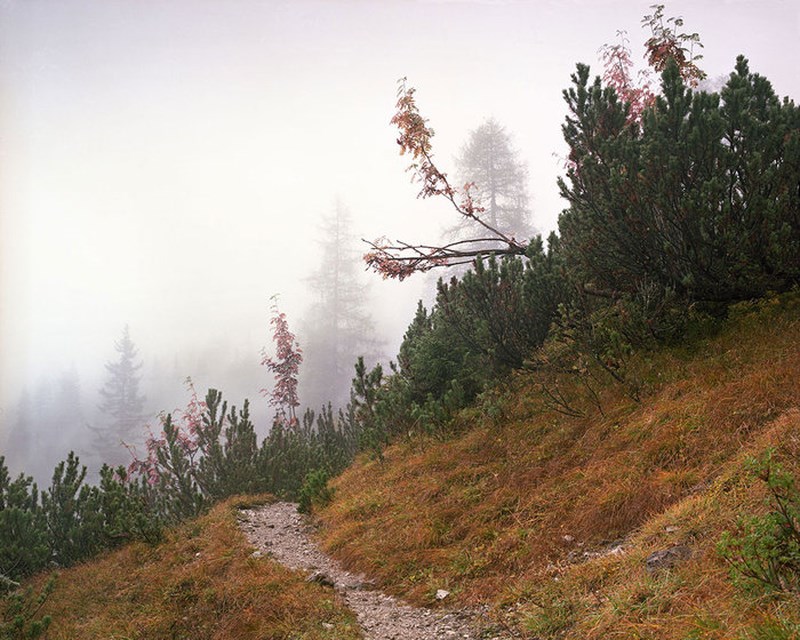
(618, 67)
(415, 139)
(187, 427)
(385, 259)
(666, 44)
(385, 263)
(285, 367)
(469, 205)
(402, 259)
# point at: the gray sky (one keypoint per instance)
(164, 164)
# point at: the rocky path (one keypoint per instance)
(280, 531)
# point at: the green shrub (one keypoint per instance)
(764, 554)
(774, 629)
(699, 199)
(23, 535)
(315, 491)
(70, 521)
(20, 612)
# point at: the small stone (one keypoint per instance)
(320, 577)
(327, 625)
(667, 558)
(441, 594)
(568, 539)
(358, 585)
(671, 529)
(256, 554)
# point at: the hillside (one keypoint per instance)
(547, 518)
(551, 517)
(201, 582)
(589, 435)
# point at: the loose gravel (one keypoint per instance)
(281, 532)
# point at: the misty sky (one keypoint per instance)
(164, 164)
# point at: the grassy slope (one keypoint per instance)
(201, 583)
(500, 512)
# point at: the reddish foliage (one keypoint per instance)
(666, 44)
(401, 259)
(415, 139)
(285, 366)
(618, 68)
(187, 427)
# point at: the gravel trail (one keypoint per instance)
(283, 533)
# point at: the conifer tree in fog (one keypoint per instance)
(489, 161)
(122, 404)
(66, 420)
(20, 443)
(338, 327)
(46, 424)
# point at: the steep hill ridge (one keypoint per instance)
(591, 526)
(551, 517)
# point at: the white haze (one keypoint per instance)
(165, 164)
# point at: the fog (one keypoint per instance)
(168, 166)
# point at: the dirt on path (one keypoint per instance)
(283, 533)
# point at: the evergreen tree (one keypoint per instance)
(122, 404)
(338, 328)
(488, 159)
(40, 425)
(23, 538)
(701, 200)
(68, 409)
(20, 440)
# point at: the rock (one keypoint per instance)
(256, 554)
(441, 594)
(576, 556)
(320, 577)
(357, 585)
(667, 558)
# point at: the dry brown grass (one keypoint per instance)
(494, 513)
(201, 583)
